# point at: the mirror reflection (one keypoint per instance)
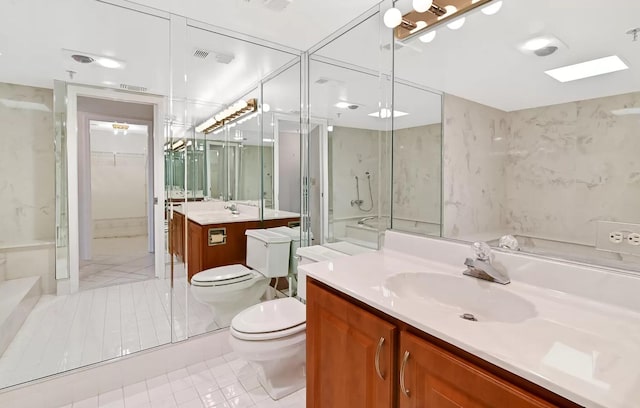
(533, 147)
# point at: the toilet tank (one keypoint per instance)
(294, 235)
(268, 252)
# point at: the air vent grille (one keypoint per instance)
(201, 53)
(133, 88)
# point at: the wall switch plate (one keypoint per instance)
(623, 238)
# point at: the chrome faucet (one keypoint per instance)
(233, 208)
(365, 219)
(482, 268)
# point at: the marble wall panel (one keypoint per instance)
(474, 158)
(27, 182)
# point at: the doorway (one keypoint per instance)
(116, 227)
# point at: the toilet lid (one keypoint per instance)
(271, 319)
(222, 275)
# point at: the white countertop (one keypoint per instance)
(213, 212)
(579, 348)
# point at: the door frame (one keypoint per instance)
(71, 285)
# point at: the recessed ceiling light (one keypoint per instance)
(385, 113)
(109, 62)
(588, 69)
(342, 105)
(536, 43)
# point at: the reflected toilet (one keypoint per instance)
(230, 289)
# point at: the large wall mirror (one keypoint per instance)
(534, 146)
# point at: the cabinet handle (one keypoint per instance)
(378, 350)
(404, 389)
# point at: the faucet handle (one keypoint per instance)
(482, 250)
(509, 242)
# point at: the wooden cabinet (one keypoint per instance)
(418, 370)
(200, 254)
(350, 354)
(433, 377)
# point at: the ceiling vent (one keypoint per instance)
(276, 5)
(221, 57)
(133, 88)
(201, 53)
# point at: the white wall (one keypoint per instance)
(118, 183)
(27, 177)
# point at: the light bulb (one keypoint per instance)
(330, 128)
(392, 18)
(492, 9)
(456, 24)
(266, 107)
(428, 37)
(450, 10)
(419, 26)
(422, 5)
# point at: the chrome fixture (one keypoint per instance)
(365, 219)
(508, 242)
(359, 202)
(233, 208)
(481, 266)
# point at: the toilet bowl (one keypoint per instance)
(232, 288)
(271, 337)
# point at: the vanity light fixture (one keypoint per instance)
(229, 116)
(428, 37)
(426, 14)
(588, 69)
(117, 127)
(177, 144)
(385, 113)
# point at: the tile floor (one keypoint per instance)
(66, 332)
(224, 382)
(116, 261)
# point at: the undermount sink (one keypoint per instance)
(486, 301)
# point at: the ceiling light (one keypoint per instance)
(422, 5)
(109, 62)
(229, 116)
(626, 111)
(456, 24)
(428, 37)
(536, 43)
(266, 107)
(419, 26)
(385, 113)
(392, 17)
(342, 105)
(588, 69)
(330, 128)
(492, 8)
(449, 11)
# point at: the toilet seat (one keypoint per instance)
(222, 276)
(274, 319)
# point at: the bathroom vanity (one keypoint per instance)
(387, 330)
(216, 237)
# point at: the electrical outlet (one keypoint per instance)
(616, 237)
(634, 239)
(622, 238)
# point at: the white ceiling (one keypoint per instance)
(478, 62)
(481, 61)
(300, 25)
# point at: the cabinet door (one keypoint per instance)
(434, 378)
(349, 354)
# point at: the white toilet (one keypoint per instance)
(271, 336)
(231, 289)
